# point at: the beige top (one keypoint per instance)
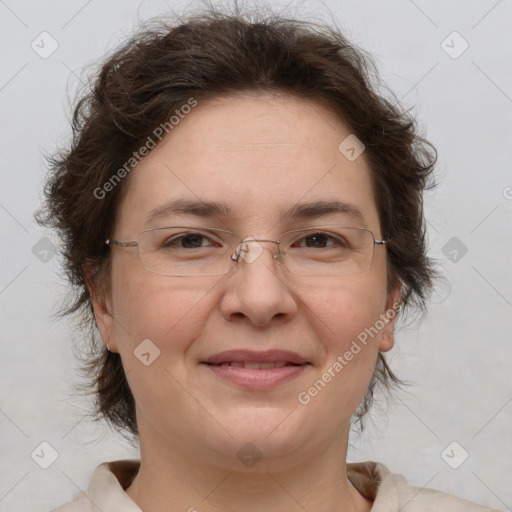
(389, 492)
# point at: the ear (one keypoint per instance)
(102, 304)
(387, 339)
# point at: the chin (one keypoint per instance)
(273, 435)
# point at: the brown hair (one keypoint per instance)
(209, 54)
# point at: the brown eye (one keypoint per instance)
(188, 241)
(320, 240)
(316, 240)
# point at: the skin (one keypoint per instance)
(257, 153)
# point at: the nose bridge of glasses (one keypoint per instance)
(250, 252)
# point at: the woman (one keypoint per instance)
(242, 220)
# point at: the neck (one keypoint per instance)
(177, 479)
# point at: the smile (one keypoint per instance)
(256, 370)
(256, 365)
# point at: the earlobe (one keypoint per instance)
(387, 339)
(104, 320)
(387, 342)
(102, 312)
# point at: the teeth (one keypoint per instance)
(255, 365)
(252, 366)
(267, 366)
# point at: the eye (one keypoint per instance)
(320, 240)
(188, 241)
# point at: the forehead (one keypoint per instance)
(260, 155)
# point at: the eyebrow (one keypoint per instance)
(210, 209)
(321, 208)
(206, 209)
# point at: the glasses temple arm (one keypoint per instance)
(131, 243)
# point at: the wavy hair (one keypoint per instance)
(209, 54)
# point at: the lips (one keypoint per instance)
(253, 360)
(256, 366)
(257, 371)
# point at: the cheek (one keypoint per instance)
(344, 309)
(172, 314)
(162, 309)
(342, 313)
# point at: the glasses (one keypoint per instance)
(185, 251)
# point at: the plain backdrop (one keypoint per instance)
(458, 360)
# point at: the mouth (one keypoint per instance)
(256, 365)
(255, 360)
(257, 370)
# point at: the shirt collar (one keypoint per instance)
(110, 479)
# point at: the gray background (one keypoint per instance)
(458, 360)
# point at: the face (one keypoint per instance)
(257, 155)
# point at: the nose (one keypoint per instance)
(256, 289)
